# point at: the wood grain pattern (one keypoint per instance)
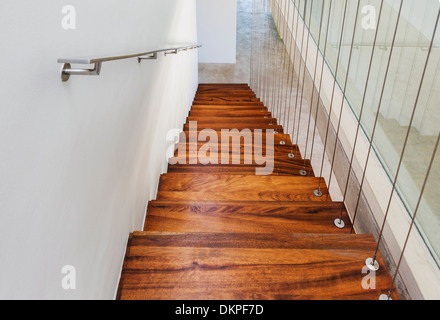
(226, 101)
(234, 135)
(219, 94)
(228, 113)
(218, 126)
(223, 86)
(248, 120)
(239, 188)
(287, 167)
(249, 266)
(225, 161)
(221, 232)
(245, 217)
(221, 107)
(280, 153)
(223, 123)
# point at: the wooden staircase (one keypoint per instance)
(220, 232)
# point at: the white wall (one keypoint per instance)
(217, 29)
(80, 160)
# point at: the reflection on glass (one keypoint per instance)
(398, 90)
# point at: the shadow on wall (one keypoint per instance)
(81, 159)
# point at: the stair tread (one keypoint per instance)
(284, 149)
(221, 107)
(287, 167)
(243, 102)
(225, 89)
(279, 151)
(218, 126)
(263, 125)
(228, 98)
(253, 119)
(263, 204)
(225, 162)
(243, 135)
(245, 218)
(240, 187)
(226, 93)
(229, 113)
(248, 266)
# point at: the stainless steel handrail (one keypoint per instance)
(67, 70)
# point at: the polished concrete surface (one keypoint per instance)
(240, 71)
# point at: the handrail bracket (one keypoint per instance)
(153, 56)
(171, 52)
(67, 71)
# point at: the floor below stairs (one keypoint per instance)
(221, 232)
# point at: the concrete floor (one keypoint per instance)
(240, 71)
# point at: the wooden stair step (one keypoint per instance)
(277, 148)
(290, 167)
(243, 136)
(226, 94)
(231, 107)
(258, 118)
(230, 87)
(280, 153)
(185, 152)
(246, 217)
(238, 126)
(192, 266)
(227, 99)
(226, 89)
(228, 113)
(255, 123)
(243, 102)
(212, 187)
(223, 85)
(249, 121)
(227, 160)
(235, 170)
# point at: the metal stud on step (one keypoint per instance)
(340, 223)
(373, 265)
(385, 297)
(291, 156)
(318, 193)
(282, 142)
(303, 172)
